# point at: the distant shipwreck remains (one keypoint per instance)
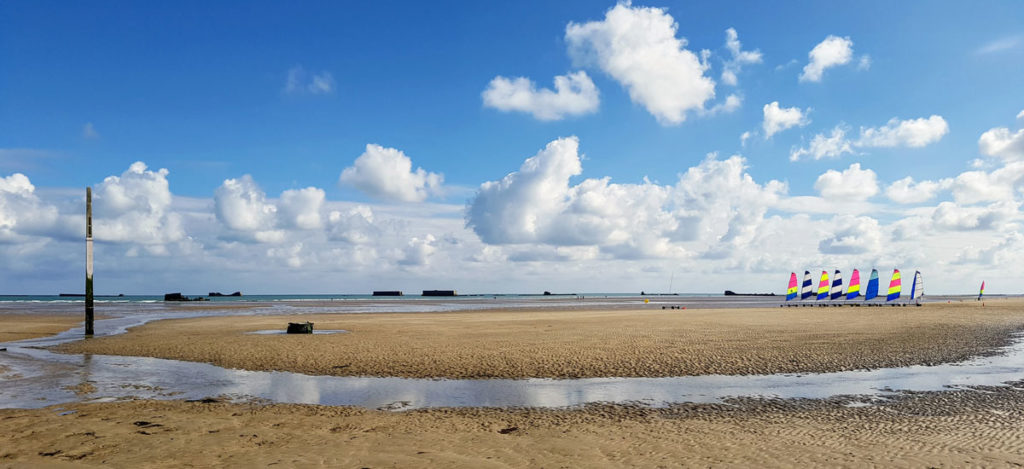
(732, 293)
(180, 297)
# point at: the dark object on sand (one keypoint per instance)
(300, 327)
(180, 297)
(387, 293)
(439, 293)
(217, 293)
(732, 293)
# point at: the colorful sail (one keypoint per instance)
(837, 286)
(823, 286)
(982, 292)
(895, 286)
(791, 291)
(807, 289)
(917, 289)
(872, 290)
(853, 290)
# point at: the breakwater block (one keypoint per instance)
(387, 293)
(300, 328)
(439, 293)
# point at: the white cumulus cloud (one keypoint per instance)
(1001, 143)
(777, 119)
(739, 58)
(831, 52)
(135, 208)
(713, 203)
(914, 133)
(386, 173)
(951, 216)
(354, 225)
(851, 183)
(21, 210)
(638, 47)
(419, 250)
(300, 208)
(980, 186)
(906, 191)
(732, 103)
(575, 94)
(518, 208)
(241, 205)
(825, 146)
(852, 235)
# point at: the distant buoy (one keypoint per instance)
(646, 301)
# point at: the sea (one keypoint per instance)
(324, 297)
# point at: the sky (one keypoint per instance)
(509, 147)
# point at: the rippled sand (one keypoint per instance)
(639, 342)
(944, 429)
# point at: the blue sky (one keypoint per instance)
(292, 94)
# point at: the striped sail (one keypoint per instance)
(982, 292)
(853, 290)
(823, 286)
(872, 290)
(807, 289)
(837, 286)
(895, 286)
(791, 291)
(917, 289)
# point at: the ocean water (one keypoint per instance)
(326, 297)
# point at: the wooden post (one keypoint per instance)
(88, 262)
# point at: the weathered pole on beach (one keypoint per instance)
(88, 262)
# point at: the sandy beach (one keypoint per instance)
(642, 342)
(942, 429)
(962, 427)
(26, 326)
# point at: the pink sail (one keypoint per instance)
(853, 291)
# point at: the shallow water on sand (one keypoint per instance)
(33, 377)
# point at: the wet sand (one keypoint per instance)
(973, 427)
(573, 343)
(943, 429)
(26, 326)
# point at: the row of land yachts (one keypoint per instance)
(834, 295)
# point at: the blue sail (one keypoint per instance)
(872, 290)
(808, 286)
(917, 288)
(837, 286)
